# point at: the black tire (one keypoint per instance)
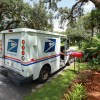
(44, 74)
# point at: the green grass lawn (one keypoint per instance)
(54, 89)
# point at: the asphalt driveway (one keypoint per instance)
(10, 91)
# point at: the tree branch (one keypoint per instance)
(96, 3)
(14, 21)
(71, 13)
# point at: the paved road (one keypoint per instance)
(10, 91)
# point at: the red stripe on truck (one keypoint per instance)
(32, 60)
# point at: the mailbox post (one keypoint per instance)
(77, 55)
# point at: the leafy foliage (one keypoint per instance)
(95, 16)
(11, 13)
(92, 53)
(52, 4)
(88, 22)
(94, 43)
(78, 33)
(62, 15)
(78, 93)
(92, 21)
(14, 14)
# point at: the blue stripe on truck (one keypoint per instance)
(30, 63)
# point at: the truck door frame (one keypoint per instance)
(3, 46)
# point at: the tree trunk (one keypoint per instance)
(96, 3)
(92, 32)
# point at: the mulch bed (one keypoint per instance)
(91, 80)
(93, 87)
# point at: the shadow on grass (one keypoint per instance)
(57, 71)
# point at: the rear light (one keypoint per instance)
(10, 30)
(23, 58)
(23, 47)
(23, 53)
(32, 59)
(23, 41)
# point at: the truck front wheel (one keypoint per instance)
(44, 74)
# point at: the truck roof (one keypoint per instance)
(30, 30)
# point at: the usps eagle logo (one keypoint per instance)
(50, 45)
(12, 45)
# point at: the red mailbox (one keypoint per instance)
(77, 54)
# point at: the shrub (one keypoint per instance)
(78, 93)
(94, 64)
(93, 43)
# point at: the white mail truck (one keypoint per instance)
(28, 53)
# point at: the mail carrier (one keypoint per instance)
(27, 53)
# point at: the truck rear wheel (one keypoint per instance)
(44, 74)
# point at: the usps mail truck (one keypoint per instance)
(28, 53)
